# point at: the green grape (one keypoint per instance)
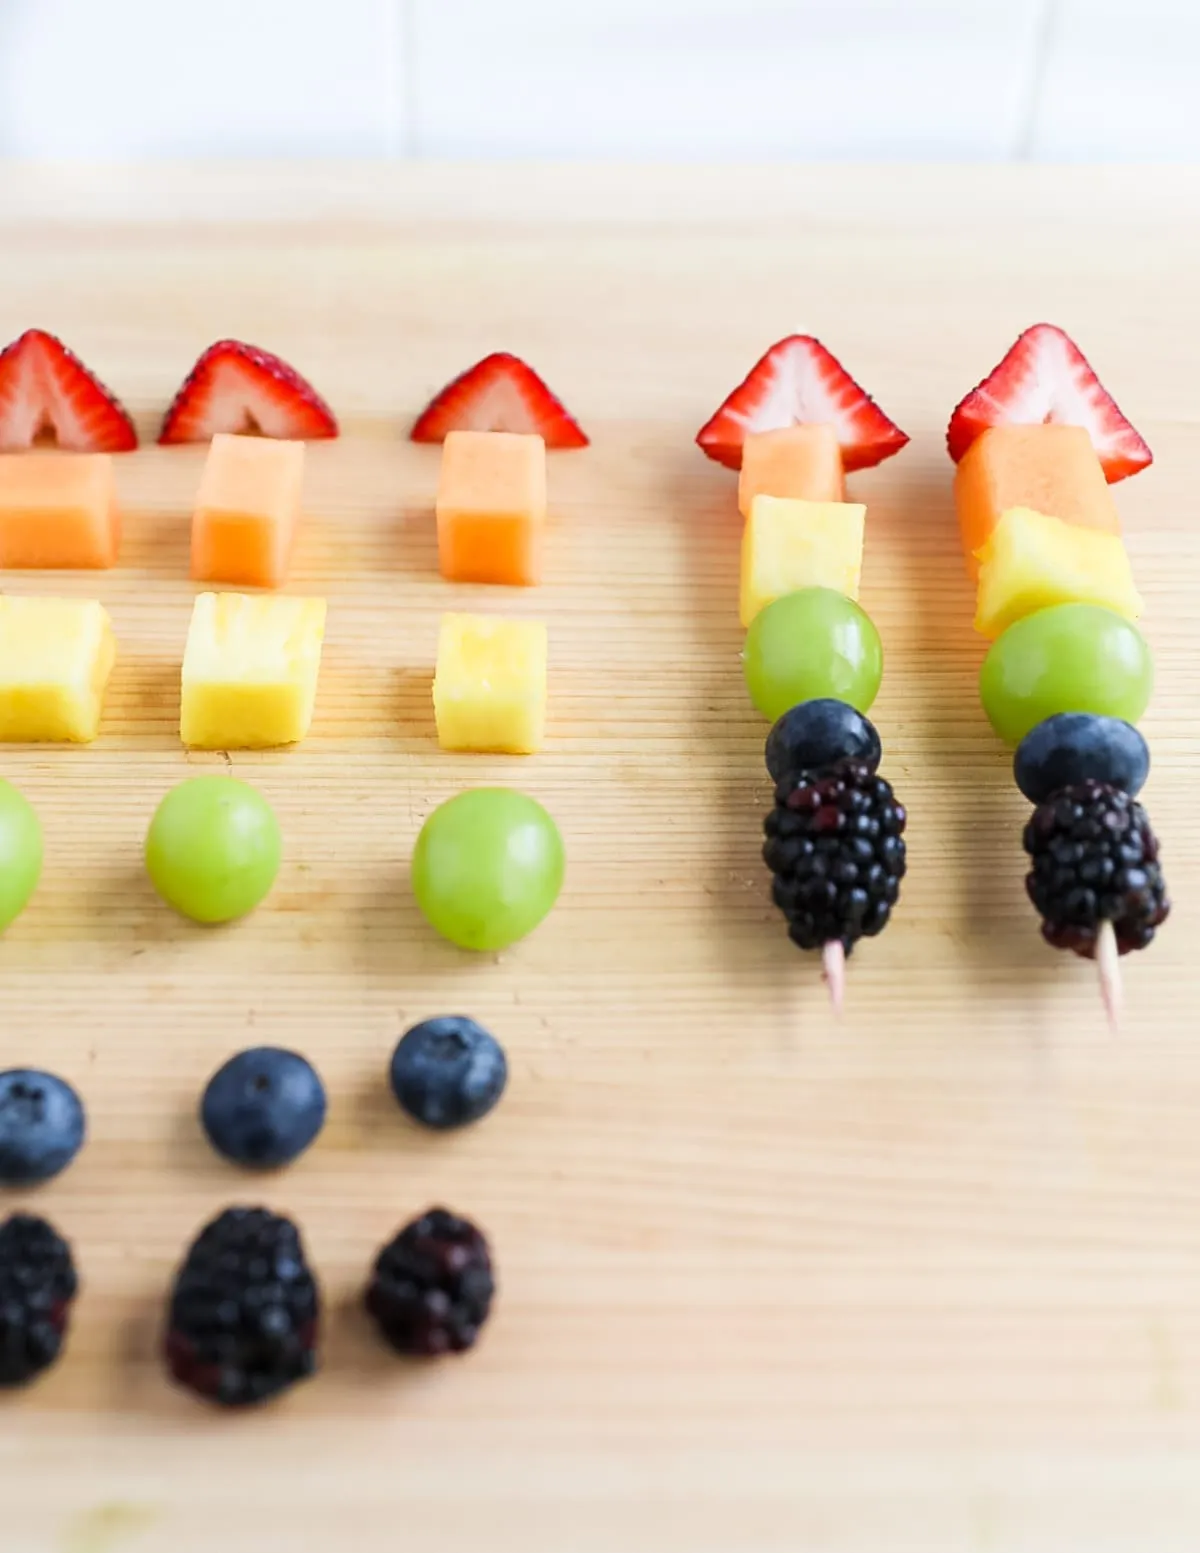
(213, 848)
(810, 644)
(487, 867)
(20, 852)
(1069, 658)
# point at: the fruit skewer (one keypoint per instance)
(813, 659)
(1038, 444)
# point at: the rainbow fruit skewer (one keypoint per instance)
(1038, 444)
(812, 658)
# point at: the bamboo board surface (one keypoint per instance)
(927, 1281)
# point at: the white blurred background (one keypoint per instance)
(936, 80)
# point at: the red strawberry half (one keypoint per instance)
(45, 388)
(1046, 379)
(238, 388)
(798, 382)
(499, 393)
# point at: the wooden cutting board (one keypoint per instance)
(926, 1281)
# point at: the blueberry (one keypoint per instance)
(449, 1071)
(42, 1126)
(1074, 747)
(819, 733)
(264, 1107)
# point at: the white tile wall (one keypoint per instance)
(115, 79)
(721, 79)
(651, 79)
(1120, 82)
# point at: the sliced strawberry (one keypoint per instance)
(1046, 379)
(236, 388)
(798, 382)
(46, 389)
(499, 393)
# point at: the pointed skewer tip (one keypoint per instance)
(833, 958)
(1108, 969)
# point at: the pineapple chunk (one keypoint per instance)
(1033, 561)
(489, 691)
(250, 671)
(789, 544)
(55, 659)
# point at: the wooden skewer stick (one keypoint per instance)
(1108, 968)
(833, 958)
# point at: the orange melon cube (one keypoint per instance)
(491, 507)
(58, 509)
(247, 511)
(801, 462)
(1051, 469)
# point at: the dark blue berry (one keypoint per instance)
(1075, 747)
(449, 1071)
(42, 1126)
(264, 1107)
(819, 733)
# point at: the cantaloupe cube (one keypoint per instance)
(489, 691)
(1049, 468)
(250, 670)
(1034, 560)
(491, 507)
(787, 545)
(800, 461)
(58, 510)
(247, 511)
(55, 659)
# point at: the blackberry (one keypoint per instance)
(432, 1286)
(245, 1310)
(1095, 859)
(835, 845)
(37, 1285)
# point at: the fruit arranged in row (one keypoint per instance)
(244, 1311)
(1038, 445)
(265, 1106)
(251, 666)
(60, 510)
(248, 681)
(251, 663)
(487, 866)
(430, 1289)
(813, 660)
(45, 390)
(239, 1336)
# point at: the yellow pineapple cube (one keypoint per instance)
(1033, 561)
(55, 659)
(789, 544)
(489, 691)
(250, 670)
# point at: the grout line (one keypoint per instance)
(1045, 31)
(407, 47)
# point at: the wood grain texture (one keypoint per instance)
(929, 1281)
